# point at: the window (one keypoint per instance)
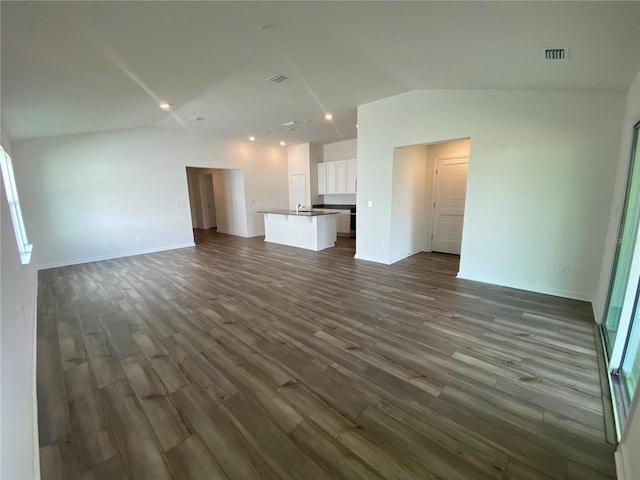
(24, 247)
(621, 326)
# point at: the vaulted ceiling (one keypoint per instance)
(72, 67)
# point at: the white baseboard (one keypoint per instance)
(34, 393)
(371, 259)
(115, 255)
(233, 234)
(528, 287)
(596, 313)
(402, 257)
(387, 261)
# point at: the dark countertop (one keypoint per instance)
(337, 207)
(301, 213)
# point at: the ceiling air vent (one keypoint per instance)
(557, 53)
(277, 78)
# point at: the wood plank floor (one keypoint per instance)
(238, 359)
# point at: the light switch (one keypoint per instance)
(369, 203)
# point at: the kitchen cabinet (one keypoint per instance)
(322, 178)
(344, 223)
(331, 178)
(310, 230)
(337, 177)
(341, 176)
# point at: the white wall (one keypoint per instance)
(229, 195)
(539, 187)
(89, 196)
(333, 152)
(18, 441)
(344, 150)
(627, 458)
(409, 203)
(315, 157)
(299, 163)
(339, 199)
(304, 158)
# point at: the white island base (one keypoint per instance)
(310, 230)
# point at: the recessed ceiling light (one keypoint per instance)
(328, 116)
(282, 144)
(252, 138)
(165, 106)
(290, 124)
(196, 118)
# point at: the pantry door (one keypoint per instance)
(448, 204)
(298, 191)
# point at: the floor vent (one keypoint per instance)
(561, 53)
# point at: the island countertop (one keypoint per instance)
(313, 230)
(302, 213)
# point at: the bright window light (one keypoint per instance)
(24, 247)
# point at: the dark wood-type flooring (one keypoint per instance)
(239, 359)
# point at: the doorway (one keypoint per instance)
(207, 201)
(217, 200)
(416, 224)
(449, 193)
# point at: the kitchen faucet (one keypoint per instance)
(298, 208)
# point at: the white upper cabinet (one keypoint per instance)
(341, 176)
(331, 177)
(322, 178)
(337, 177)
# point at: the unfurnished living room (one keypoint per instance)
(314, 239)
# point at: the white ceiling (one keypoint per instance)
(71, 67)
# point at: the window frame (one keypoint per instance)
(11, 191)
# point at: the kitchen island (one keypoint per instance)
(313, 230)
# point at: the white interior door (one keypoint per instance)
(298, 190)
(448, 204)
